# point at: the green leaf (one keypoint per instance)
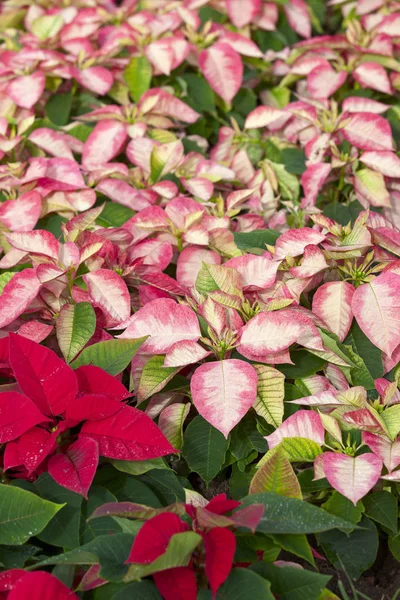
(114, 215)
(307, 483)
(111, 356)
(356, 551)
(74, 327)
(298, 449)
(239, 481)
(110, 551)
(165, 485)
(276, 474)
(342, 507)
(131, 489)
(15, 557)
(46, 26)
(199, 94)
(270, 394)
(178, 554)
(256, 240)
(138, 590)
(370, 354)
(91, 529)
(212, 278)
(243, 583)
(290, 583)
(305, 365)
(296, 544)
(293, 159)
(63, 529)
(23, 514)
(58, 108)
(382, 508)
(138, 467)
(4, 279)
(343, 213)
(138, 75)
(204, 448)
(154, 377)
(289, 184)
(289, 515)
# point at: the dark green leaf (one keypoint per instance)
(257, 239)
(243, 583)
(165, 484)
(342, 507)
(289, 515)
(296, 544)
(63, 529)
(90, 529)
(138, 590)
(110, 551)
(204, 448)
(370, 354)
(14, 557)
(58, 108)
(382, 508)
(305, 365)
(290, 583)
(114, 215)
(356, 551)
(200, 95)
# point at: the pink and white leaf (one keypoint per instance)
(353, 477)
(275, 331)
(376, 306)
(35, 242)
(171, 422)
(95, 79)
(385, 162)
(312, 263)
(358, 104)
(223, 392)
(312, 181)
(262, 116)
(17, 294)
(372, 75)
(304, 423)
(222, 66)
(368, 131)
(22, 214)
(166, 322)
(293, 242)
(323, 81)
(370, 188)
(190, 261)
(332, 304)
(104, 143)
(26, 90)
(185, 352)
(51, 142)
(243, 12)
(257, 272)
(109, 292)
(386, 450)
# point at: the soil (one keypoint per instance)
(381, 582)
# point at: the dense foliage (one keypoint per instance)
(199, 297)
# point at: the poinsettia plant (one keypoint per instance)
(199, 297)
